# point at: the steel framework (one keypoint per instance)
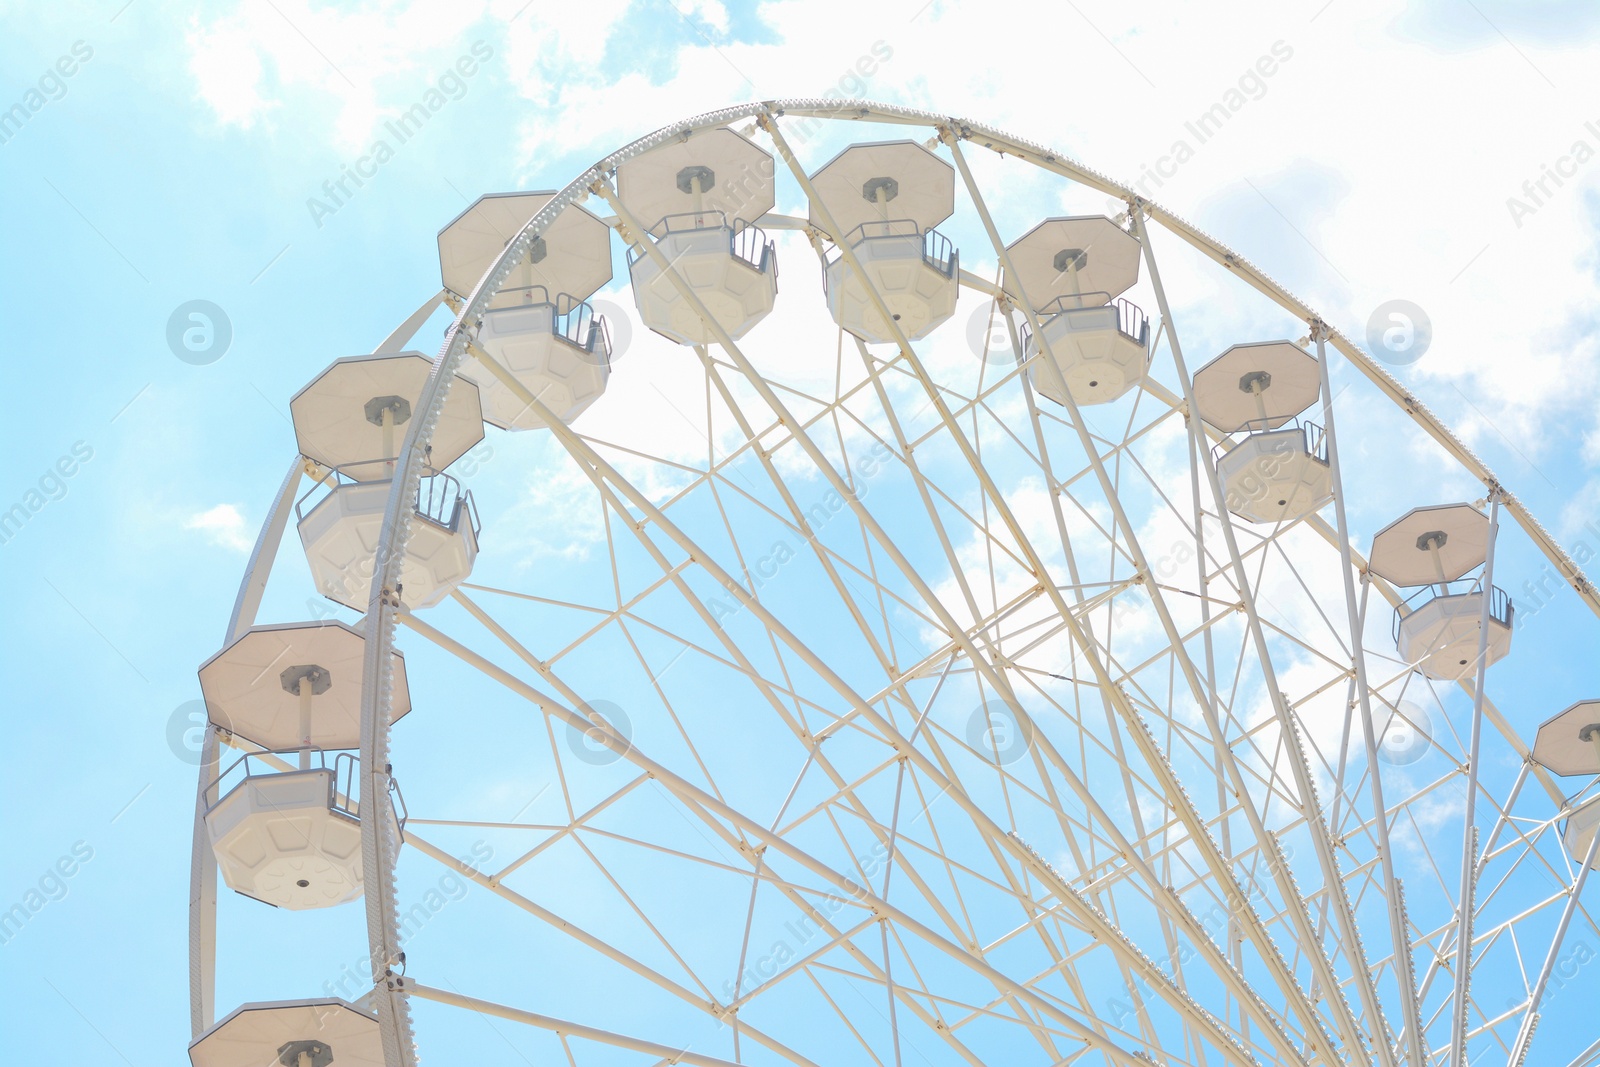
(995, 772)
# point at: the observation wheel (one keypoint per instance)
(993, 645)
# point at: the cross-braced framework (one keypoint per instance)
(906, 714)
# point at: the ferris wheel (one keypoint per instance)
(967, 655)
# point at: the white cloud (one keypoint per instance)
(712, 12)
(312, 66)
(226, 65)
(222, 526)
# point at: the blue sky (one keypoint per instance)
(179, 161)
